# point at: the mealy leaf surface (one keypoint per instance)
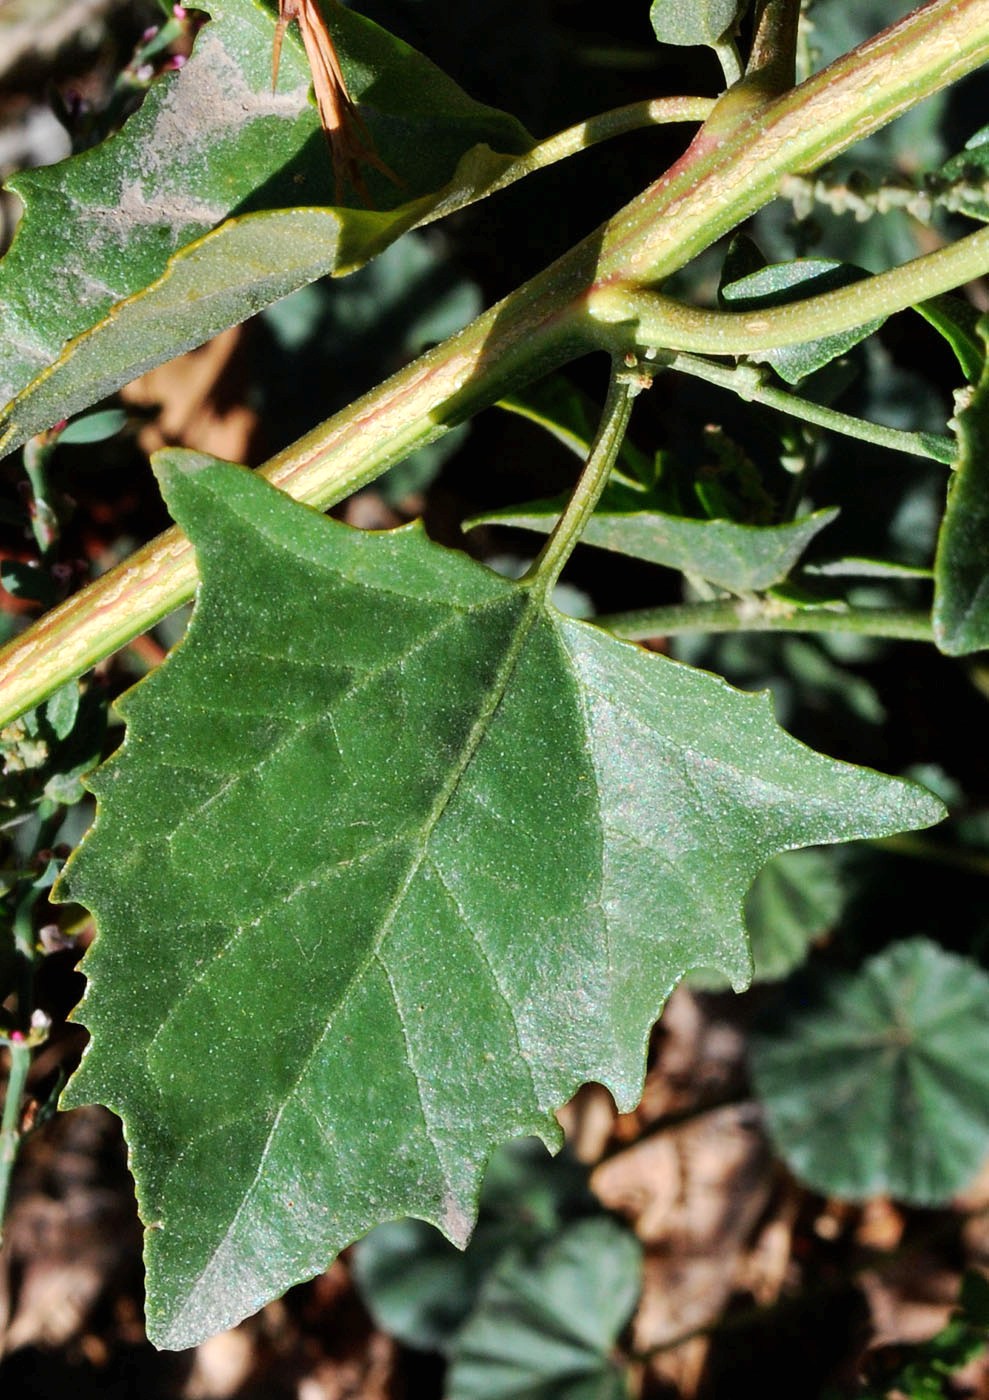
(393, 858)
(213, 200)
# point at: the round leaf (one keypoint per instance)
(545, 1325)
(882, 1086)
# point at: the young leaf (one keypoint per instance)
(741, 558)
(546, 1324)
(883, 1087)
(110, 260)
(961, 567)
(430, 857)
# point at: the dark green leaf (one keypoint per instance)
(685, 22)
(776, 285)
(883, 1086)
(741, 558)
(394, 857)
(957, 320)
(62, 708)
(545, 1324)
(961, 567)
(111, 270)
(794, 900)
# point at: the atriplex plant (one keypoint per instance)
(460, 847)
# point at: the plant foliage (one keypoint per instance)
(394, 856)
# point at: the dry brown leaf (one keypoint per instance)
(200, 401)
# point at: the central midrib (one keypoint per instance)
(532, 609)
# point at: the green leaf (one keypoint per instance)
(883, 1086)
(741, 558)
(419, 1289)
(394, 857)
(93, 427)
(685, 22)
(62, 709)
(794, 900)
(112, 270)
(957, 320)
(775, 285)
(546, 1323)
(961, 566)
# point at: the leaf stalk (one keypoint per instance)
(622, 390)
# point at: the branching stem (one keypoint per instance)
(747, 382)
(768, 615)
(733, 167)
(648, 318)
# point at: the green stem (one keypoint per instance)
(767, 615)
(736, 162)
(10, 1136)
(530, 333)
(607, 444)
(619, 121)
(651, 319)
(747, 382)
(728, 56)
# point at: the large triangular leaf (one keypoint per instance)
(111, 266)
(794, 899)
(394, 857)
